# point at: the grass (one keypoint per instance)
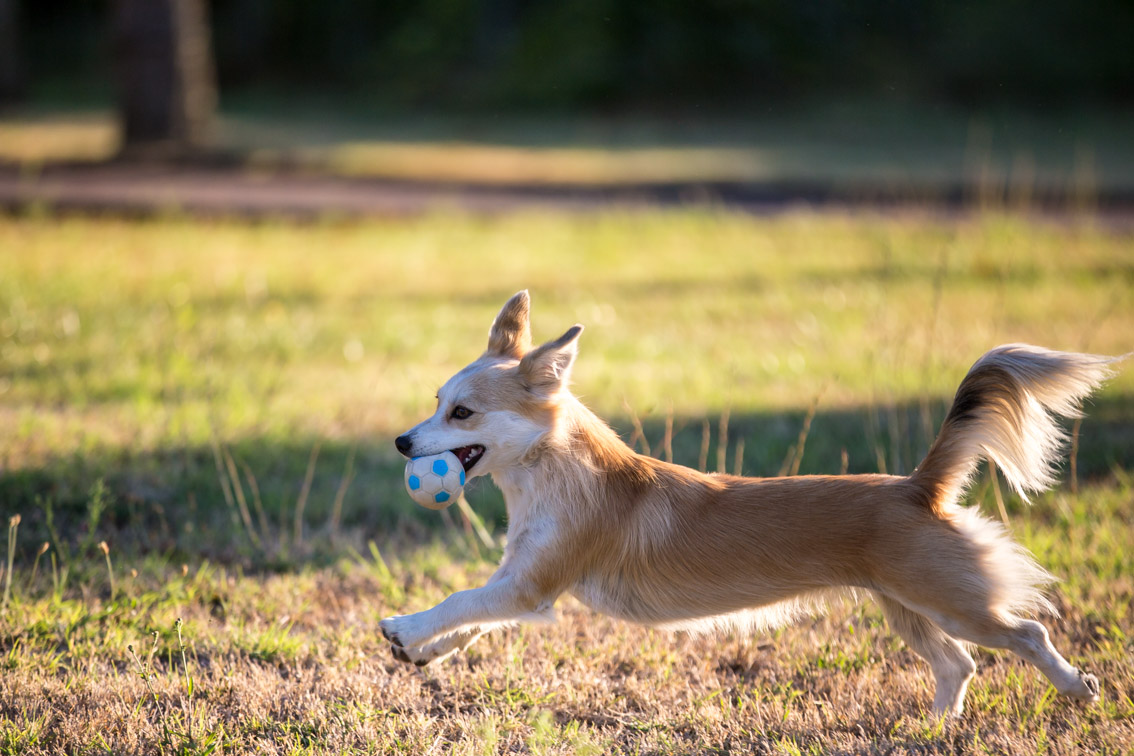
(852, 143)
(291, 664)
(174, 392)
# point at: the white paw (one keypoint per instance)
(403, 630)
(415, 656)
(1087, 689)
(440, 648)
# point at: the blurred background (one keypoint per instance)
(751, 100)
(246, 240)
(605, 54)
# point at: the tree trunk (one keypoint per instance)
(166, 81)
(12, 80)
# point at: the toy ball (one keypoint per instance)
(435, 481)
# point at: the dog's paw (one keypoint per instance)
(389, 632)
(1089, 688)
(408, 631)
(1083, 687)
(403, 630)
(418, 657)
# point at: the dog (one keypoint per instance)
(670, 547)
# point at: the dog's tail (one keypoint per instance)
(1006, 411)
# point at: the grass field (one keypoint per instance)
(216, 401)
(854, 144)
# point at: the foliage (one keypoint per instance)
(478, 53)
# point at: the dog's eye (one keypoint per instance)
(461, 413)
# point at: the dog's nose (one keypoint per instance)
(404, 444)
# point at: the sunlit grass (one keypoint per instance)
(150, 371)
(848, 144)
(177, 357)
(275, 663)
(698, 309)
(32, 140)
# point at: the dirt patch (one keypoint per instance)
(148, 189)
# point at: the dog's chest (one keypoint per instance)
(598, 596)
(613, 597)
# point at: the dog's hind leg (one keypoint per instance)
(1029, 640)
(981, 585)
(952, 665)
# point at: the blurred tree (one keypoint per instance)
(165, 76)
(241, 30)
(608, 54)
(11, 63)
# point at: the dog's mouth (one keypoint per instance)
(469, 455)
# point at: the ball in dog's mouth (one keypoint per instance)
(469, 455)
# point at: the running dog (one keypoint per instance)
(669, 547)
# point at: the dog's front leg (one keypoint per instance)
(459, 619)
(439, 648)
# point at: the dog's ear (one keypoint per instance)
(547, 369)
(511, 335)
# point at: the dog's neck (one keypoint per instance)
(578, 460)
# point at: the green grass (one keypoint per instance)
(170, 358)
(153, 373)
(851, 143)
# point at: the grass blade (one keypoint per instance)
(340, 494)
(304, 492)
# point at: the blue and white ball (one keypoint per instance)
(435, 481)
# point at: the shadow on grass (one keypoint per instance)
(267, 504)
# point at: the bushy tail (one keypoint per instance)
(1006, 411)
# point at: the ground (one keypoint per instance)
(291, 663)
(196, 419)
(314, 158)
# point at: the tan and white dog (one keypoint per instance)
(663, 545)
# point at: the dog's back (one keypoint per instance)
(701, 545)
(672, 547)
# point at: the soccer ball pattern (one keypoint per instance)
(435, 481)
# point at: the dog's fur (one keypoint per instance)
(667, 546)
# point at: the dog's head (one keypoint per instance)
(492, 413)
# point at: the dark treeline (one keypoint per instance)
(604, 53)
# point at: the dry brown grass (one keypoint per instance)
(292, 663)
